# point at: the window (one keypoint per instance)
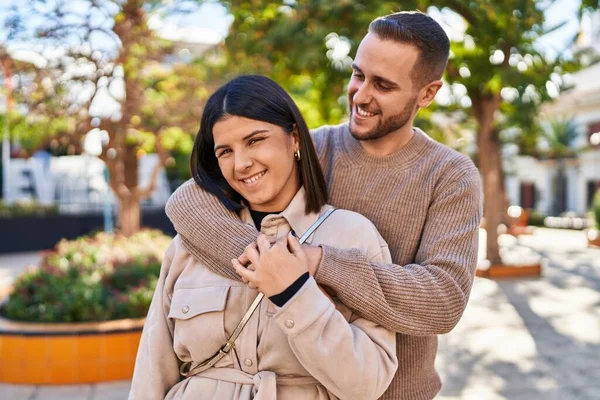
(528, 195)
(594, 134)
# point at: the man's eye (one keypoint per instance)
(357, 74)
(383, 88)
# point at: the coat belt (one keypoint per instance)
(265, 382)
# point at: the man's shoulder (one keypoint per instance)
(450, 160)
(328, 133)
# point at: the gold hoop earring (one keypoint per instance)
(297, 154)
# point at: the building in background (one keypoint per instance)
(554, 186)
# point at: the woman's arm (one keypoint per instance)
(199, 218)
(352, 360)
(156, 366)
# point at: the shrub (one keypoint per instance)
(596, 209)
(26, 208)
(96, 278)
(536, 219)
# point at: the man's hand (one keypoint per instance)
(313, 256)
(274, 268)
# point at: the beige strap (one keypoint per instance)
(190, 368)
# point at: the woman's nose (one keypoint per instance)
(243, 161)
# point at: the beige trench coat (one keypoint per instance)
(311, 348)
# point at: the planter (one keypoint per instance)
(53, 354)
(518, 230)
(500, 271)
(593, 237)
(16, 233)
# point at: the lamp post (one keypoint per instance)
(93, 143)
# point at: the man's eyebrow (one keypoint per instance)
(389, 83)
(248, 136)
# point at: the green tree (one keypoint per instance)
(155, 105)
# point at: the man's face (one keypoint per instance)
(381, 94)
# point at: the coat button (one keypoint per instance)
(248, 362)
(185, 309)
(289, 324)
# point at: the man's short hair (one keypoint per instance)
(420, 30)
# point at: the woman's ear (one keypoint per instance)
(296, 137)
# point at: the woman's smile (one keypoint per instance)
(253, 180)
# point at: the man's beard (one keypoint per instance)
(387, 125)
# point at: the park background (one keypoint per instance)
(100, 101)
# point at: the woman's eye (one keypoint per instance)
(254, 140)
(224, 152)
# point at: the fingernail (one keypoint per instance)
(294, 233)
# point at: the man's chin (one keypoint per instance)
(359, 133)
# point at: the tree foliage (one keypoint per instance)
(109, 70)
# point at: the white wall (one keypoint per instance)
(76, 183)
(530, 170)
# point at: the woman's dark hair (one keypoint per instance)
(259, 98)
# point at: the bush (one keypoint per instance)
(26, 208)
(96, 278)
(536, 218)
(596, 209)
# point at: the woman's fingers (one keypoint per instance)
(263, 243)
(294, 245)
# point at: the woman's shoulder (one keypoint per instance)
(349, 229)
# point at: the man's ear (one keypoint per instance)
(427, 93)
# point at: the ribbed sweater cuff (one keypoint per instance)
(334, 262)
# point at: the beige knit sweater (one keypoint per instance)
(425, 199)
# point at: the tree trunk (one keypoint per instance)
(129, 216)
(490, 163)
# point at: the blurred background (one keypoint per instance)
(100, 101)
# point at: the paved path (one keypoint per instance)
(530, 339)
(534, 339)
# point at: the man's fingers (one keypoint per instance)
(252, 255)
(242, 271)
(243, 259)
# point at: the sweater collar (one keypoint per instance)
(404, 157)
(294, 216)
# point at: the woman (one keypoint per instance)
(255, 154)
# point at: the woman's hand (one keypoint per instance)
(274, 268)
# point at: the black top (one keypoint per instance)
(279, 299)
(258, 216)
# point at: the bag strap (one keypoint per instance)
(190, 368)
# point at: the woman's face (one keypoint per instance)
(257, 160)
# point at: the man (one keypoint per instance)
(423, 197)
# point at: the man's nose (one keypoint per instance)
(362, 94)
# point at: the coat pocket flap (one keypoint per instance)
(188, 303)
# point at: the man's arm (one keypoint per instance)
(429, 296)
(200, 218)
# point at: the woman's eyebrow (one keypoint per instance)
(256, 132)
